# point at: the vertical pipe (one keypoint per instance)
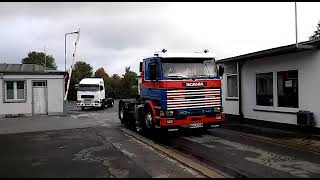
(65, 52)
(296, 23)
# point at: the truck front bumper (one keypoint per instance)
(191, 122)
(88, 104)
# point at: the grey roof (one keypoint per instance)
(26, 69)
(302, 46)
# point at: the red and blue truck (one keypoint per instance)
(176, 90)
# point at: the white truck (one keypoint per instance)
(91, 93)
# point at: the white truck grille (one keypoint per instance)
(193, 98)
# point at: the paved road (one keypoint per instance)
(82, 144)
(100, 149)
(241, 156)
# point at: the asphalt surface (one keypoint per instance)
(83, 144)
(90, 144)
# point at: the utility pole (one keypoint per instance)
(296, 22)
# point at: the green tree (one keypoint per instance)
(130, 83)
(316, 33)
(101, 73)
(41, 59)
(80, 71)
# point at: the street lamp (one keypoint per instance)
(65, 48)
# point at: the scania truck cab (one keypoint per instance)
(176, 91)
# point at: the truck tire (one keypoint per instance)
(103, 105)
(82, 108)
(122, 113)
(148, 118)
(111, 103)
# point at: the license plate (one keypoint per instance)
(196, 125)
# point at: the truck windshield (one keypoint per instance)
(198, 70)
(88, 87)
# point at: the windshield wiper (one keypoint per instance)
(202, 76)
(177, 77)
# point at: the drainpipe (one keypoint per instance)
(239, 64)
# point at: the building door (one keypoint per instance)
(39, 97)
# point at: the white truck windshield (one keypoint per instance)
(196, 70)
(88, 87)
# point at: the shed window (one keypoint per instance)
(232, 86)
(232, 80)
(264, 89)
(288, 88)
(15, 90)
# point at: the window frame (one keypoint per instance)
(227, 95)
(274, 101)
(277, 90)
(15, 91)
(275, 108)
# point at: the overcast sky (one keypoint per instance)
(116, 35)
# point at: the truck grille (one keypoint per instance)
(87, 96)
(193, 98)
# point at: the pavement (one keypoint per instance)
(81, 144)
(91, 143)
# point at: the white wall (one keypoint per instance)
(308, 65)
(55, 96)
(55, 85)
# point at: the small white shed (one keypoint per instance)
(29, 89)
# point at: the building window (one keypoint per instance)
(287, 88)
(264, 89)
(15, 90)
(232, 85)
(231, 80)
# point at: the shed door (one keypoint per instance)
(39, 97)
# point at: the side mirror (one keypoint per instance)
(140, 67)
(220, 70)
(76, 86)
(101, 88)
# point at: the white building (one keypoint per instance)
(273, 85)
(28, 89)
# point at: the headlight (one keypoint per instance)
(217, 109)
(169, 113)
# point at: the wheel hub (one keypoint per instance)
(121, 113)
(148, 119)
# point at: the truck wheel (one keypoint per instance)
(122, 113)
(103, 105)
(148, 120)
(82, 108)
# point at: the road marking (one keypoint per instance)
(175, 155)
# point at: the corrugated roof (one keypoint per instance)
(26, 69)
(302, 46)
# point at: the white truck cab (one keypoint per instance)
(91, 93)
